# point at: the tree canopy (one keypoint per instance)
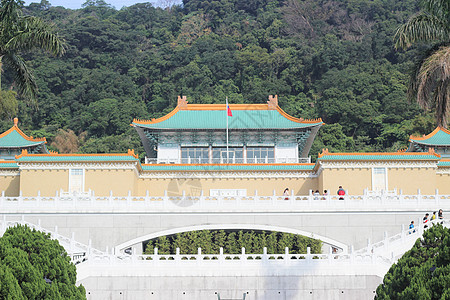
(328, 59)
(423, 272)
(33, 266)
(232, 242)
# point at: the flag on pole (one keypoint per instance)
(229, 114)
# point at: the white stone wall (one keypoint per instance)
(232, 287)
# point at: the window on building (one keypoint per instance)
(193, 155)
(379, 179)
(259, 154)
(76, 180)
(235, 154)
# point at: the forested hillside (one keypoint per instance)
(332, 59)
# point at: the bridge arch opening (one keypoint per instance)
(139, 240)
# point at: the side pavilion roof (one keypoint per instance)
(54, 157)
(438, 137)
(15, 138)
(214, 116)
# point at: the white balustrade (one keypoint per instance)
(241, 264)
(231, 160)
(89, 202)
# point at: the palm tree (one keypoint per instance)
(19, 33)
(430, 82)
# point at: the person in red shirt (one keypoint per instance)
(341, 193)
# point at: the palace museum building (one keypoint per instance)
(215, 150)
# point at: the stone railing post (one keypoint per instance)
(385, 240)
(133, 256)
(4, 226)
(221, 256)
(72, 242)
(403, 233)
(308, 255)
(129, 199)
(177, 255)
(199, 255)
(330, 255)
(155, 256)
(89, 247)
(352, 254)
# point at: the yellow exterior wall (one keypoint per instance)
(443, 183)
(409, 180)
(352, 180)
(46, 181)
(10, 185)
(103, 181)
(194, 186)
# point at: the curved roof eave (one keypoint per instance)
(253, 120)
(438, 137)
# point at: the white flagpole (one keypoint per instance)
(226, 110)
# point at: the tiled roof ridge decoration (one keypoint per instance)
(402, 150)
(20, 132)
(425, 137)
(53, 154)
(272, 104)
(430, 152)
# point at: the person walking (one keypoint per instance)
(286, 194)
(425, 220)
(411, 227)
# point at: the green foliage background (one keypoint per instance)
(423, 272)
(232, 242)
(27, 258)
(332, 59)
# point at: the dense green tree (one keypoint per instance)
(423, 272)
(334, 60)
(232, 242)
(32, 266)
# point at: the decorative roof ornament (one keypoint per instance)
(273, 102)
(182, 102)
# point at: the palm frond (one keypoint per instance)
(438, 8)
(419, 28)
(35, 33)
(433, 79)
(442, 100)
(23, 77)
